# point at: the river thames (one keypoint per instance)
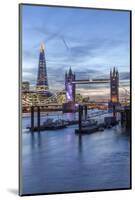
(59, 161)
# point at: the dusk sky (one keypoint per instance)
(90, 41)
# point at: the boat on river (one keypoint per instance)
(50, 124)
(89, 123)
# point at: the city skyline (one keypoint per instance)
(71, 38)
(75, 113)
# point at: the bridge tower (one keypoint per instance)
(114, 86)
(69, 86)
(69, 105)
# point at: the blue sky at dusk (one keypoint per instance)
(90, 41)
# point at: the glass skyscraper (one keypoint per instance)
(42, 81)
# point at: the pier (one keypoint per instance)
(84, 121)
(64, 153)
(71, 106)
(90, 127)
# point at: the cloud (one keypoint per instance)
(91, 46)
(125, 75)
(29, 55)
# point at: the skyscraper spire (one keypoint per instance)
(42, 47)
(42, 82)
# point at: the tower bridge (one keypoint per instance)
(70, 93)
(70, 88)
(42, 96)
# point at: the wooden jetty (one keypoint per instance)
(87, 130)
(109, 122)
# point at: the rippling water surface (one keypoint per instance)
(59, 161)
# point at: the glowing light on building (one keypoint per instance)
(69, 92)
(42, 81)
(69, 86)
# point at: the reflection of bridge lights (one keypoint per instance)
(68, 138)
(76, 106)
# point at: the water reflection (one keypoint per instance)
(80, 144)
(35, 139)
(55, 161)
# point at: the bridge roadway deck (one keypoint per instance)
(93, 81)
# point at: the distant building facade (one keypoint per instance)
(39, 95)
(42, 80)
(25, 86)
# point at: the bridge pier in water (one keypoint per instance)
(32, 117)
(125, 118)
(38, 118)
(85, 111)
(82, 111)
(114, 110)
